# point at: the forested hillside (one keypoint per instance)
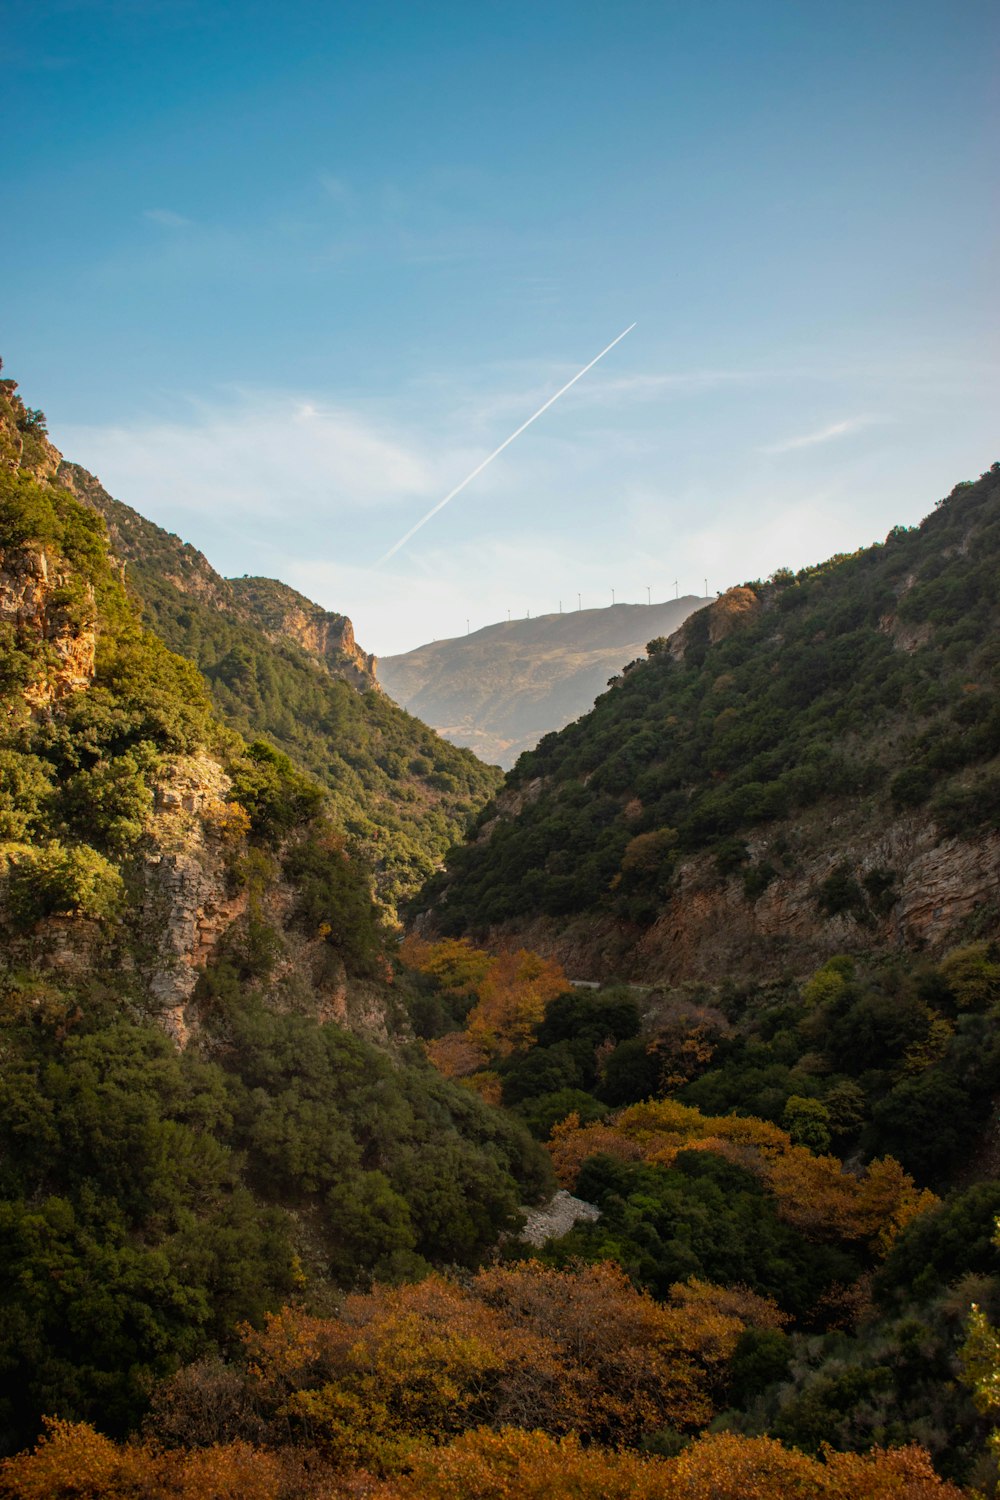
(279, 666)
(208, 1102)
(827, 1143)
(809, 764)
(262, 1166)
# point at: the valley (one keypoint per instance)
(290, 1053)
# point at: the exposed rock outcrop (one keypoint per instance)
(283, 614)
(197, 899)
(189, 896)
(33, 602)
(941, 891)
(556, 1218)
(24, 442)
(730, 612)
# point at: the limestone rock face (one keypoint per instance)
(30, 601)
(510, 802)
(24, 443)
(189, 899)
(283, 614)
(710, 927)
(194, 901)
(732, 611)
(556, 1218)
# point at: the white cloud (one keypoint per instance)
(271, 455)
(312, 487)
(824, 435)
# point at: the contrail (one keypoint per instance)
(497, 451)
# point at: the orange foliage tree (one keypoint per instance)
(511, 992)
(565, 1350)
(73, 1462)
(487, 1465)
(813, 1193)
(454, 963)
(512, 1000)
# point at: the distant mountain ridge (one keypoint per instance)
(500, 689)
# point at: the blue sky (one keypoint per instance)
(282, 275)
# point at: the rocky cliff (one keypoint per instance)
(934, 892)
(197, 904)
(283, 614)
(43, 616)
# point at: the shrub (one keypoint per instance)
(275, 796)
(58, 881)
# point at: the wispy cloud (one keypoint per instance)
(255, 453)
(822, 435)
(167, 218)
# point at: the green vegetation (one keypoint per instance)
(863, 1061)
(774, 1268)
(872, 678)
(77, 782)
(402, 794)
(151, 1199)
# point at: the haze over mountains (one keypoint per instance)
(500, 689)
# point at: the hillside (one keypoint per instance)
(807, 766)
(501, 688)
(209, 1105)
(280, 666)
(256, 1238)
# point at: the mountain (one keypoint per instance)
(243, 1221)
(278, 665)
(501, 688)
(284, 615)
(209, 1102)
(807, 766)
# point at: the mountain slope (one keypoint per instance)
(208, 1105)
(806, 766)
(283, 614)
(500, 689)
(280, 666)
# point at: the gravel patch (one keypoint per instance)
(556, 1218)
